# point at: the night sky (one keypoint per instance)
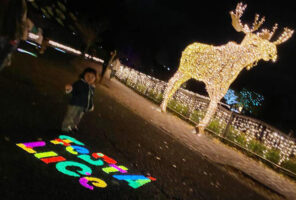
(153, 33)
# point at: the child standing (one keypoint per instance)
(82, 99)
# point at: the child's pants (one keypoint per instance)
(6, 48)
(72, 118)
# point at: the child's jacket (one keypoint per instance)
(82, 95)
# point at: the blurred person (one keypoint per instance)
(107, 62)
(28, 27)
(45, 41)
(81, 101)
(13, 28)
(114, 67)
(40, 37)
(291, 133)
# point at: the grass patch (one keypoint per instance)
(141, 88)
(129, 83)
(151, 94)
(172, 103)
(179, 108)
(273, 155)
(196, 116)
(159, 97)
(215, 126)
(290, 164)
(236, 136)
(257, 147)
(241, 139)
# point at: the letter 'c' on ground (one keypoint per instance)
(62, 167)
(95, 181)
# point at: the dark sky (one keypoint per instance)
(154, 32)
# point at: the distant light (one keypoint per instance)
(27, 52)
(55, 44)
(98, 59)
(240, 108)
(61, 47)
(73, 33)
(31, 43)
(87, 55)
(33, 36)
(43, 16)
(168, 68)
(60, 50)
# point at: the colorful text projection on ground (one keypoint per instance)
(83, 170)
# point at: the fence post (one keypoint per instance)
(228, 124)
(126, 79)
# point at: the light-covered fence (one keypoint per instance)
(240, 129)
(254, 135)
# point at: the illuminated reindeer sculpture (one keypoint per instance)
(218, 66)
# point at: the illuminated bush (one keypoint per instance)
(196, 116)
(215, 126)
(231, 135)
(151, 94)
(273, 155)
(236, 136)
(256, 147)
(290, 164)
(179, 108)
(159, 97)
(241, 139)
(141, 88)
(128, 82)
(172, 104)
(183, 110)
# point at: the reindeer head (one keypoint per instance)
(259, 41)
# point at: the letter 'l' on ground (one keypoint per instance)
(28, 146)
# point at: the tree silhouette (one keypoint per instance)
(90, 31)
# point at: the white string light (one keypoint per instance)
(34, 37)
(219, 66)
(250, 128)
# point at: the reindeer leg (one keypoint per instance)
(210, 112)
(174, 83)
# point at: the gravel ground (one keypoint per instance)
(124, 126)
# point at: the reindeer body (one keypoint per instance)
(213, 65)
(218, 66)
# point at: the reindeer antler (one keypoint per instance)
(256, 25)
(284, 36)
(267, 34)
(235, 16)
(237, 24)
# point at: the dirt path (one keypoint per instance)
(125, 126)
(210, 148)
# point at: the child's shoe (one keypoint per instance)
(75, 129)
(67, 130)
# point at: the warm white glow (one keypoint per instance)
(219, 66)
(245, 126)
(61, 46)
(33, 36)
(94, 58)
